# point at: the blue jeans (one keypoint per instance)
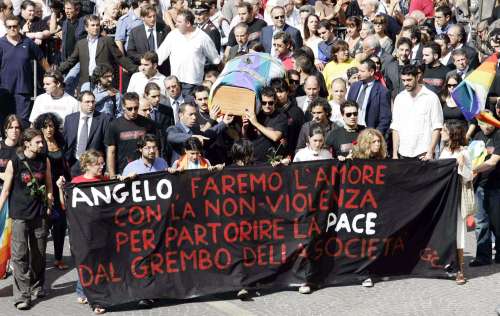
(79, 288)
(487, 222)
(71, 80)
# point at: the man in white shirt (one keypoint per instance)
(189, 49)
(148, 73)
(55, 99)
(417, 119)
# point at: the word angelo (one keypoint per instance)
(139, 191)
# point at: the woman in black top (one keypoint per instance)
(28, 186)
(50, 125)
(450, 109)
(12, 134)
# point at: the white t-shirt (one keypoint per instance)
(306, 154)
(188, 54)
(138, 82)
(415, 119)
(63, 106)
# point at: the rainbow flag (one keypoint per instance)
(5, 234)
(470, 95)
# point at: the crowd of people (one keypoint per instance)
(93, 90)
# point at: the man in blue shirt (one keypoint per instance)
(147, 145)
(107, 98)
(325, 46)
(16, 53)
(127, 22)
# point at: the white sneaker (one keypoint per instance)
(367, 283)
(305, 289)
(242, 294)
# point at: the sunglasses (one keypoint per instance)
(12, 26)
(267, 102)
(294, 81)
(452, 85)
(355, 114)
(279, 17)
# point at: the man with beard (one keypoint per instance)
(321, 112)
(435, 72)
(417, 119)
(107, 98)
(28, 209)
(148, 162)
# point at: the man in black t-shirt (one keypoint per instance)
(255, 26)
(341, 140)
(487, 184)
(435, 72)
(28, 188)
(266, 129)
(123, 133)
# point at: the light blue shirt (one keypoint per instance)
(362, 107)
(139, 166)
(125, 24)
(105, 103)
(92, 53)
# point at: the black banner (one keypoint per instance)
(199, 233)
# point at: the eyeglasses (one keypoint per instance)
(279, 17)
(132, 109)
(267, 102)
(351, 114)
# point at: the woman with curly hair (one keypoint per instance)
(92, 165)
(370, 145)
(50, 124)
(453, 136)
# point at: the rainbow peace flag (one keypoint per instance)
(470, 95)
(5, 234)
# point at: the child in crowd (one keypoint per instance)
(192, 158)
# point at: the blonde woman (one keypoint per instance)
(370, 144)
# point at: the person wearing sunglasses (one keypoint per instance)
(268, 129)
(123, 133)
(278, 16)
(16, 52)
(450, 109)
(340, 140)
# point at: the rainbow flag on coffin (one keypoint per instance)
(5, 234)
(470, 95)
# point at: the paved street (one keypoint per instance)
(404, 296)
